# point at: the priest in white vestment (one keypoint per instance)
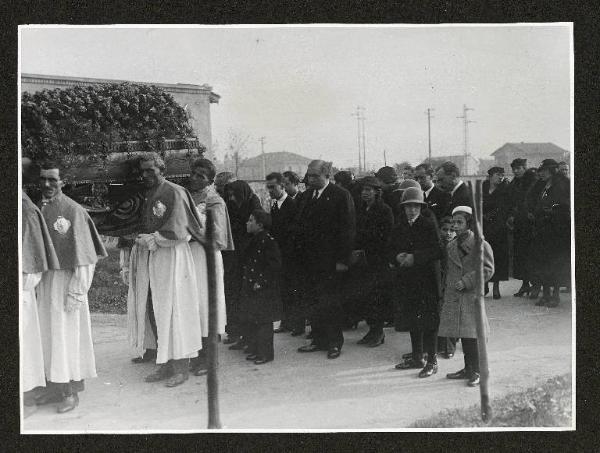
(64, 313)
(163, 291)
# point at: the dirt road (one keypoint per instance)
(360, 390)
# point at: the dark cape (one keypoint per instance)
(168, 209)
(38, 253)
(74, 236)
(496, 209)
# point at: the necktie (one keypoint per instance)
(275, 207)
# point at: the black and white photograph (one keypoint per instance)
(296, 228)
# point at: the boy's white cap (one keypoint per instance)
(466, 209)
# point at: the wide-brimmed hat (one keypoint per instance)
(413, 195)
(408, 183)
(548, 163)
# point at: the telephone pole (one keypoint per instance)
(364, 142)
(466, 122)
(262, 149)
(359, 117)
(429, 132)
(384, 159)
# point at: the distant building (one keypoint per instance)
(535, 153)
(471, 167)
(252, 168)
(195, 99)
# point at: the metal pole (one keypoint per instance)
(429, 132)
(212, 382)
(384, 159)
(357, 114)
(264, 164)
(486, 410)
(364, 144)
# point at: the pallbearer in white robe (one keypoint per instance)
(62, 294)
(206, 198)
(163, 292)
(38, 256)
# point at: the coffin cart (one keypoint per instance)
(110, 187)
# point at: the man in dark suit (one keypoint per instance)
(437, 200)
(283, 213)
(290, 182)
(326, 226)
(448, 178)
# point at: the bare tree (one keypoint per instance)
(236, 148)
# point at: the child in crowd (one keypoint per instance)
(446, 346)
(260, 295)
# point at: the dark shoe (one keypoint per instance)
(553, 302)
(534, 292)
(309, 336)
(487, 290)
(366, 339)
(177, 379)
(543, 302)
(429, 369)
(473, 380)
(462, 374)
(309, 348)
(408, 355)
(247, 349)
(200, 371)
(524, 290)
(376, 341)
(48, 398)
(496, 294)
(149, 356)
(68, 404)
(388, 324)
(261, 361)
(239, 346)
(165, 371)
(252, 357)
(231, 340)
(410, 364)
(280, 330)
(296, 333)
(334, 353)
(447, 355)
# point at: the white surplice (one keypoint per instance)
(32, 357)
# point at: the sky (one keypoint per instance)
(299, 86)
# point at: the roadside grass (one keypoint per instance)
(108, 293)
(546, 405)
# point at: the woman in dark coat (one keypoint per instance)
(260, 301)
(373, 227)
(415, 250)
(496, 207)
(552, 233)
(522, 226)
(241, 201)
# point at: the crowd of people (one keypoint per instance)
(388, 250)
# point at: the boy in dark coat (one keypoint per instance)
(260, 294)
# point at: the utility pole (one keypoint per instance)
(364, 142)
(384, 159)
(429, 132)
(262, 149)
(358, 116)
(466, 137)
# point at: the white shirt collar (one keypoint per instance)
(410, 222)
(460, 183)
(428, 191)
(281, 200)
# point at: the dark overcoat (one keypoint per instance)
(262, 266)
(462, 197)
(438, 202)
(552, 231)
(496, 209)
(417, 293)
(282, 219)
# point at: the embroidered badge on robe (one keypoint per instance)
(62, 225)
(159, 209)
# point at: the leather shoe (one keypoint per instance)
(410, 364)
(366, 339)
(447, 355)
(261, 361)
(252, 357)
(237, 346)
(309, 348)
(165, 371)
(376, 341)
(473, 380)
(231, 340)
(68, 404)
(408, 355)
(149, 356)
(280, 330)
(177, 379)
(48, 398)
(462, 374)
(429, 369)
(334, 353)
